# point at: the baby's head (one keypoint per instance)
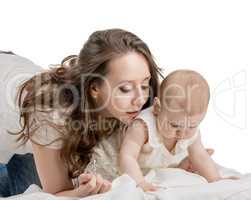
(182, 104)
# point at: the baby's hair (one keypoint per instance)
(184, 91)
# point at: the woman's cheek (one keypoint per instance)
(121, 104)
(146, 96)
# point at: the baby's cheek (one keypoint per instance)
(191, 133)
(170, 133)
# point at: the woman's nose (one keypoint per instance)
(139, 99)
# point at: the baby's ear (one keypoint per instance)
(156, 106)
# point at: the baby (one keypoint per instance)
(164, 134)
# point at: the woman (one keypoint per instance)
(63, 110)
(111, 80)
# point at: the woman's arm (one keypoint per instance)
(54, 178)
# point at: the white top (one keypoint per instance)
(154, 154)
(14, 70)
(105, 155)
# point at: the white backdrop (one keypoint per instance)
(213, 37)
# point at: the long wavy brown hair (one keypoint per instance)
(38, 93)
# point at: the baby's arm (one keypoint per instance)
(202, 162)
(135, 138)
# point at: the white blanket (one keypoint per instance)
(176, 184)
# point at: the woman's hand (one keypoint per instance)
(187, 165)
(90, 184)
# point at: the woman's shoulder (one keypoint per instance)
(48, 128)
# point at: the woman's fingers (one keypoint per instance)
(86, 189)
(99, 183)
(91, 184)
(84, 178)
(106, 186)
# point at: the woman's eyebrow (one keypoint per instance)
(128, 81)
(147, 78)
(193, 126)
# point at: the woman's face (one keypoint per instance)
(125, 89)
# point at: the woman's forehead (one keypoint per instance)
(129, 67)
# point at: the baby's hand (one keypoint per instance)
(230, 177)
(186, 164)
(147, 186)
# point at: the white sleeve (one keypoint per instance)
(13, 71)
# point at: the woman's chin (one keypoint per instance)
(127, 119)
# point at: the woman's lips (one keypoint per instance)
(133, 114)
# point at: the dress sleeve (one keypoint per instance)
(104, 160)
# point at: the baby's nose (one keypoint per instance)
(180, 133)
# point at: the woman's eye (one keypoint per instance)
(191, 128)
(125, 89)
(145, 87)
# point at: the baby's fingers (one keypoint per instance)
(232, 177)
(152, 188)
(149, 187)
